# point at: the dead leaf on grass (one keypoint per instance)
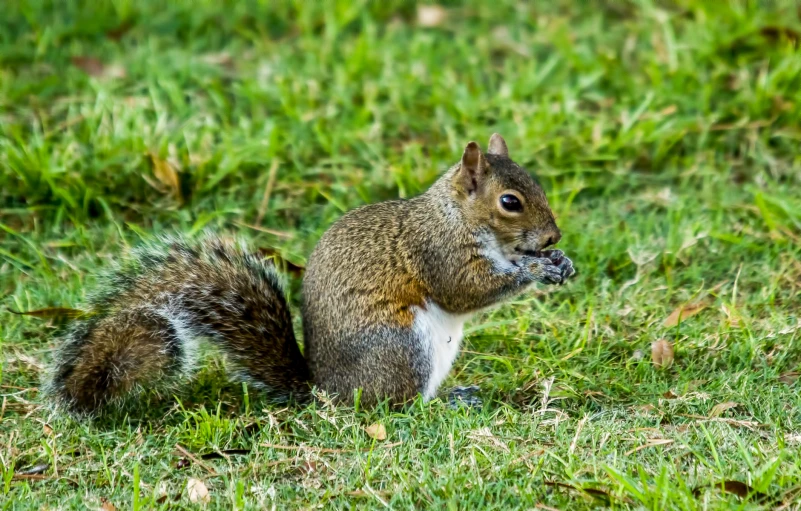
(376, 431)
(789, 377)
(167, 175)
(97, 68)
(89, 65)
(197, 491)
(222, 59)
(431, 15)
(682, 313)
(106, 505)
(719, 408)
(669, 110)
(115, 34)
(662, 353)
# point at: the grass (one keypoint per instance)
(666, 136)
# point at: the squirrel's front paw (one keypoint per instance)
(561, 261)
(553, 267)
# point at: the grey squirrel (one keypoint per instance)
(386, 292)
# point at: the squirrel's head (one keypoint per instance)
(501, 198)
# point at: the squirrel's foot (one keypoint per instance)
(464, 396)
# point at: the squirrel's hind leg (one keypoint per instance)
(104, 358)
(465, 396)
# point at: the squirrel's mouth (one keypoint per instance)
(553, 254)
(532, 253)
(519, 252)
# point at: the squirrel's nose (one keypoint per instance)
(551, 239)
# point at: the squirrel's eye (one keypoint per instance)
(511, 203)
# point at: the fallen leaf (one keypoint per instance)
(738, 488)
(719, 408)
(662, 353)
(670, 110)
(197, 491)
(116, 33)
(222, 59)
(431, 15)
(47, 429)
(89, 65)
(106, 505)
(167, 175)
(789, 377)
(377, 431)
(95, 67)
(682, 313)
(669, 395)
(115, 71)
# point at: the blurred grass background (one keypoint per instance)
(666, 134)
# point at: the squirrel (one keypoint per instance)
(385, 295)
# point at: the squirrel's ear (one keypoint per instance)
(471, 169)
(497, 146)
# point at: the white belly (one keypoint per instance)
(441, 334)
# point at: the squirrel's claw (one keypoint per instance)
(566, 266)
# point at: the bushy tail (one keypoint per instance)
(145, 324)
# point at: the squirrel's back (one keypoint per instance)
(153, 309)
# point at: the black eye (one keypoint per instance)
(511, 203)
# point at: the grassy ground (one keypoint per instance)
(665, 133)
